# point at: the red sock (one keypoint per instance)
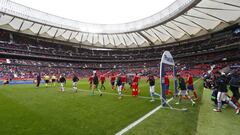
(167, 92)
(195, 94)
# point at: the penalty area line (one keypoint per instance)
(141, 119)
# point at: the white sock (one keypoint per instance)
(219, 107)
(119, 91)
(156, 94)
(232, 105)
(191, 99)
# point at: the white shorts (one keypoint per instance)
(152, 89)
(74, 84)
(119, 88)
(61, 84)
(222, 96)
(183, 93)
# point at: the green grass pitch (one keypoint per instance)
(26, 110)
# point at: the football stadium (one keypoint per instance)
(143, 68)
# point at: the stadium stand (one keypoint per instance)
(37, 47)
(26, 55)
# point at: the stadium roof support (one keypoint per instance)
(184, 19)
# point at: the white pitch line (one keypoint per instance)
(140, 119)
(144, 117)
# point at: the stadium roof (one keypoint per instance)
(184, 19)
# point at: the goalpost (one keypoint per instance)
(167, 60)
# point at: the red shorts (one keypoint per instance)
(134, 89)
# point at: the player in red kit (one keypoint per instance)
(135, 78)
(112, 80)
(124, 81)
(90, 79)
(190, 86)
(135, 85)
(102, 79)
(167, 83)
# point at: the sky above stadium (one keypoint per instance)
(99, 11)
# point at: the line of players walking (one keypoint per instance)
(51, 81)
(119, 81)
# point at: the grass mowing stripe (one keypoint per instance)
(141, 119)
